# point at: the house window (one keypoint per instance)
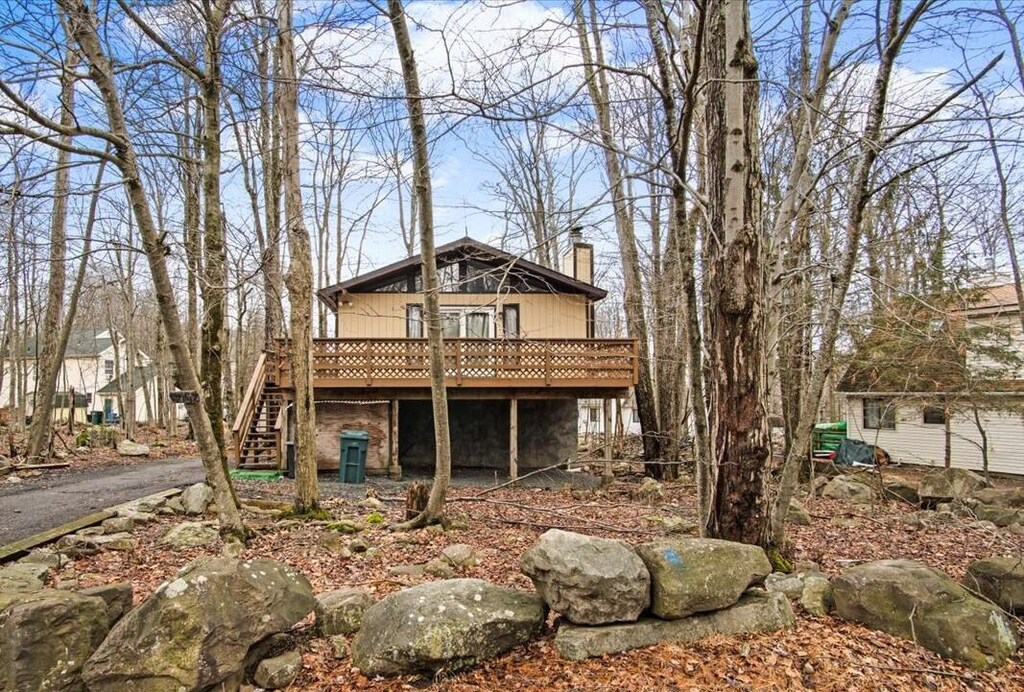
(595, 414)
(467, 323)
(108, 369)
(879, 414)
(934, 415)
(414, 321)
(510, 321)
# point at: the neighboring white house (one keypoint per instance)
(625, 419)
(89, 370)
(952, 388)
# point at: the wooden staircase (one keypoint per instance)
(257, 426)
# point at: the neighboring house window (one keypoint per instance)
(934, 415)
(414, 321)
(879, 414)
(108, 369)
(510, 321)
(595, 414)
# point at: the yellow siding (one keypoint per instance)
(541, 315)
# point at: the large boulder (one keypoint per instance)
(1001, 497)
(756, 611)
(444, 625)
(943, 485)
(46, 636)
(341, 611)
(849, 488)
(194, 631)
(118, 597)
(191, 534)
(23, 576)
(693, 575)
(589, 580)
(127, 448)
(899, 489)
(196, 498)
(999, 579)
(999, 515)
(922, 604)
(278, 672)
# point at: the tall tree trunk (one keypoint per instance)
(740, 439)
(434, 511)
(191, 208)
(215, 272)
(299, 277)
(633, 300)
(50, 356)
(83, 25)
(683, 241)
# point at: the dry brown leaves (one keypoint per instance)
(820, 654)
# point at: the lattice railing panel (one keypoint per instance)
(470, 362)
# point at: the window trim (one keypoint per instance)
(943, 415)
(886, 416)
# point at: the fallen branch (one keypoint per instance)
(32, 467)
(849, 514)
(512, 481)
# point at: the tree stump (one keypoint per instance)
(416, 500)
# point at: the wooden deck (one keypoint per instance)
(480, 363)
(398, 369)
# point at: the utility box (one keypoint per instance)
(352, 461)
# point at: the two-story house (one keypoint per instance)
(519, 352)
(90, 368)
(930, 385)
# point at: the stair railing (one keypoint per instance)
(250, 402)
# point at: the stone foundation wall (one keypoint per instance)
(333, 418)
(480, 429)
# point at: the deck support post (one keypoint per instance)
(513, 438)
(607, 476)
(394, 468)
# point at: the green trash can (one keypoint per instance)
(352, 462)
(96, 417)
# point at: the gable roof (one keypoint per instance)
(994, 299)
(922, 346)
(143, 374)
(82, 343)
(464, 248)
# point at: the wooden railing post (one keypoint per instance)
(369, 362)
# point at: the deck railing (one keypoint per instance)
(598, 363)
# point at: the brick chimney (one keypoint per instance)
(578, 260)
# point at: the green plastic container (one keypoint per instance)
(352, 456)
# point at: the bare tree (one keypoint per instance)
(434, 511)
(83, 26)
(299, 277)
(50, 356)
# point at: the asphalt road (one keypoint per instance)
(57, 497)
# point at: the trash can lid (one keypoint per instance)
(355, 435)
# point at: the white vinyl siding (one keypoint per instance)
(916, 442)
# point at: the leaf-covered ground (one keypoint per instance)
(820, 654)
